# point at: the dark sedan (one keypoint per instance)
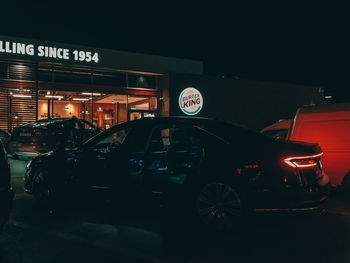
(210, 170)
(6, 192)
(49, 134)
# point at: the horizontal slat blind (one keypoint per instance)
(21, 109)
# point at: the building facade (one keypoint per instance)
(40, 80)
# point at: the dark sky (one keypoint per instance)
(298, 44)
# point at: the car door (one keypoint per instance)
(101, 161)
(172, 158)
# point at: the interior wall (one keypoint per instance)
(72, 109)
(122, 112)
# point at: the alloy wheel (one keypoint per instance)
(219, 206)
(41, 190)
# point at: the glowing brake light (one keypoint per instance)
(250, 166)
(303, 161)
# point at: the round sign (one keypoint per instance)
(190, 101)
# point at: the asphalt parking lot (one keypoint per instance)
(33, 235)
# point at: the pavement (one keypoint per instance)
(33, 235)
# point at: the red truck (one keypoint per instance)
(329, 126)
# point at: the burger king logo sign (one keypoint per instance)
(190, 101)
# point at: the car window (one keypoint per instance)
(76, 125)
(173, 154)
(279, 135)
(116, 137)
(110, 142)
(178, 137)
(87, 125)
(234, 134)
(166, 137)
(73, 138)
(101, 136)
(57, 126)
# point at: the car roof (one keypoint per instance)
(45, 122)
(173, 118)
(193, 120)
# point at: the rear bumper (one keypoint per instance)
(305, 201)
(6, 199)
(291, 211)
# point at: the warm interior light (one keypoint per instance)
(303, 161)
(54, 96)
(80, 99)
(21, 96)
(20, 90)
(89, 94)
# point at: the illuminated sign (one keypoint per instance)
(190, 101)
(60, 53)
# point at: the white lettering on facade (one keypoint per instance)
(41, 52)
(10, 47)
(30, 50)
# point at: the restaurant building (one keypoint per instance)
(40, 79)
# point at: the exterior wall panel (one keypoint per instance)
(254, 104)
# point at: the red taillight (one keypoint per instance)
(251, 166)
(248, 168)
(303, 161)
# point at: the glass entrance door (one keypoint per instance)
(141, 106)
(138, 114)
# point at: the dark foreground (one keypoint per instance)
(33, 235)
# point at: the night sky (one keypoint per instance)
(297, 44)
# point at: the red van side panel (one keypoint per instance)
(331, 130)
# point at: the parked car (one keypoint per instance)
(6, 192)
(4, 137)
(49, 134)
(214, 171)
(329, 126)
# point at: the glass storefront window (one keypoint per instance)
(103, 110)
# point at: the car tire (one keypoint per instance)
(219, 207)
(41, 189)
